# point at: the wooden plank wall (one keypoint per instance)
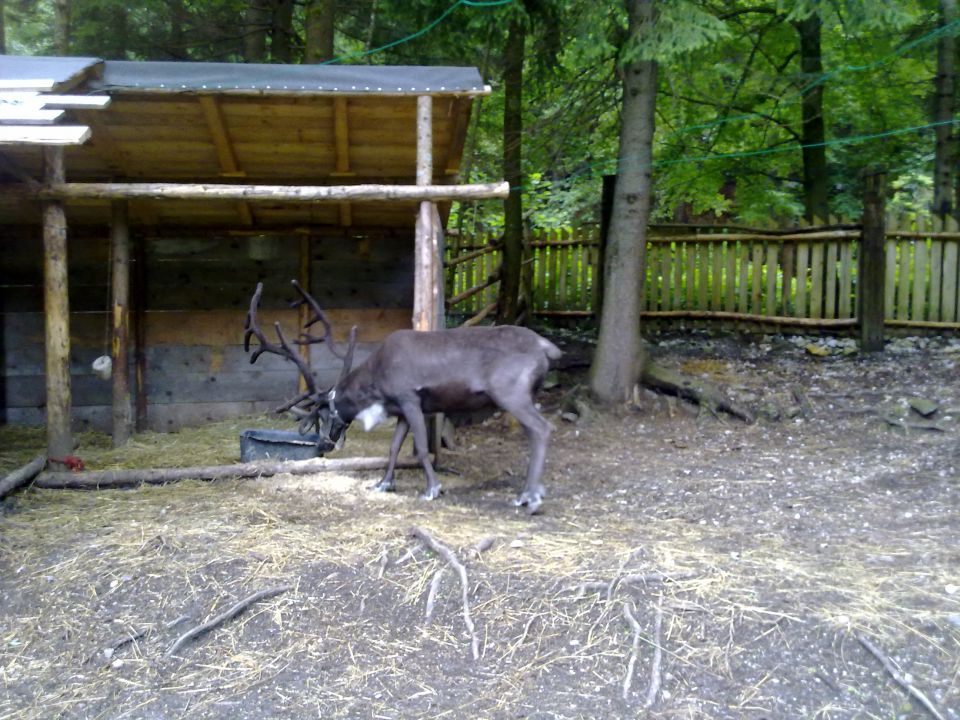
(197, 293)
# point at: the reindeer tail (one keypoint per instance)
(549, 349)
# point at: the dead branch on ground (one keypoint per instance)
(448, 555)
(22, 475)
(94, 480)
(898, 678)
(634, 650)
(228, 615)
(477, 549)
(655, 677)
(704, 393)
(609, 587)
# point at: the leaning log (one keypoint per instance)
(700, 391)
(95, 480)
(22, 475)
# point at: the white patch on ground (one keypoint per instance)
(351, 487)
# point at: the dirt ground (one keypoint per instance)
(684, 565)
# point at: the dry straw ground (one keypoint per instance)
(684, 566)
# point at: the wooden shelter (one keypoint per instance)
(180, 186)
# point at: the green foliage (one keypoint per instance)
(728, 110)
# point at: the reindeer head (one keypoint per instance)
(314, 408)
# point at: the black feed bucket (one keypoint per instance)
(281, 445)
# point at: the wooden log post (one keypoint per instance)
(871, 271)
(428, 269)
(120, 340)
(140, 331)
(56, 306)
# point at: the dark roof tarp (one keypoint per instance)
(133, 76)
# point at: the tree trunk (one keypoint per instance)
(944, 158)
(61, 27)
(3, 28)
(512, 255)
(618, 360)
(281, 34)
(320, 15)
(255, 31)
(815, 189)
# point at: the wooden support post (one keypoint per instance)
(871, 272)
(305, 280)
(140, 331)
(424, 293)
(56, 306)
(427, 286)
(120, 345)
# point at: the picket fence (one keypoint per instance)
(800, 277)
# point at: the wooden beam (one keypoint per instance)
(460, 112)
(265, 193)
(65, 102)
(56, 307)
(43, 134)
(120, 341)
(21, 115)
(28, 85)
(341, 136)
(225, 152)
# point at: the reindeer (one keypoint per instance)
(413, 374)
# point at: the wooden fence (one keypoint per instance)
(801, 277)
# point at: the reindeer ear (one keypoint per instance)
(348, 358)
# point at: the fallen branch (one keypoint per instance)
(95, 480)
(477, 549)
(634, 650)
(898, 678)
(448, 555)
(223, 617)
(655, 677)
(608, 587)
(22, 476)
(704, 393)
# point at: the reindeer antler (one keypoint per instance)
(319, 316)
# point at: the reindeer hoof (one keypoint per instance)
(431, 493)
(530, 500)
(385, 486)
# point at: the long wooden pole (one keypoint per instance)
(263, 193)
(56, 306)
(120, 344)
(424, 292)
(871, 275)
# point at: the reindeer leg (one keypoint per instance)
(389, 483)
(538, 433)
(414, 416)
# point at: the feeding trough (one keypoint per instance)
(281, 445)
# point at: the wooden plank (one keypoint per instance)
(690, 282)
(817, 272)
(756, 279)
(890, 281)
(743, 249)
(57, 102)
(951, 255)
(803, 264)
(17, 114)
(563, 268)
(918, 296)
(341, 134)
(28, 84)
(677, 276)
(122, 412)
(703, 275)
(845, 301)
(666, 267)
(830, 290)
(730, 287)
(716, 276)
(771, 270)
(44, 135)
(903, 280)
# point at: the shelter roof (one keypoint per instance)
(189, 122)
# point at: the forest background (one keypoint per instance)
(733, 81)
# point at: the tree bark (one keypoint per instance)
(815, 187)
(512, 253)
(320, 16)
(256, 21)
(619, 360)
(61, 27)
(281, 32)
(944, 173)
